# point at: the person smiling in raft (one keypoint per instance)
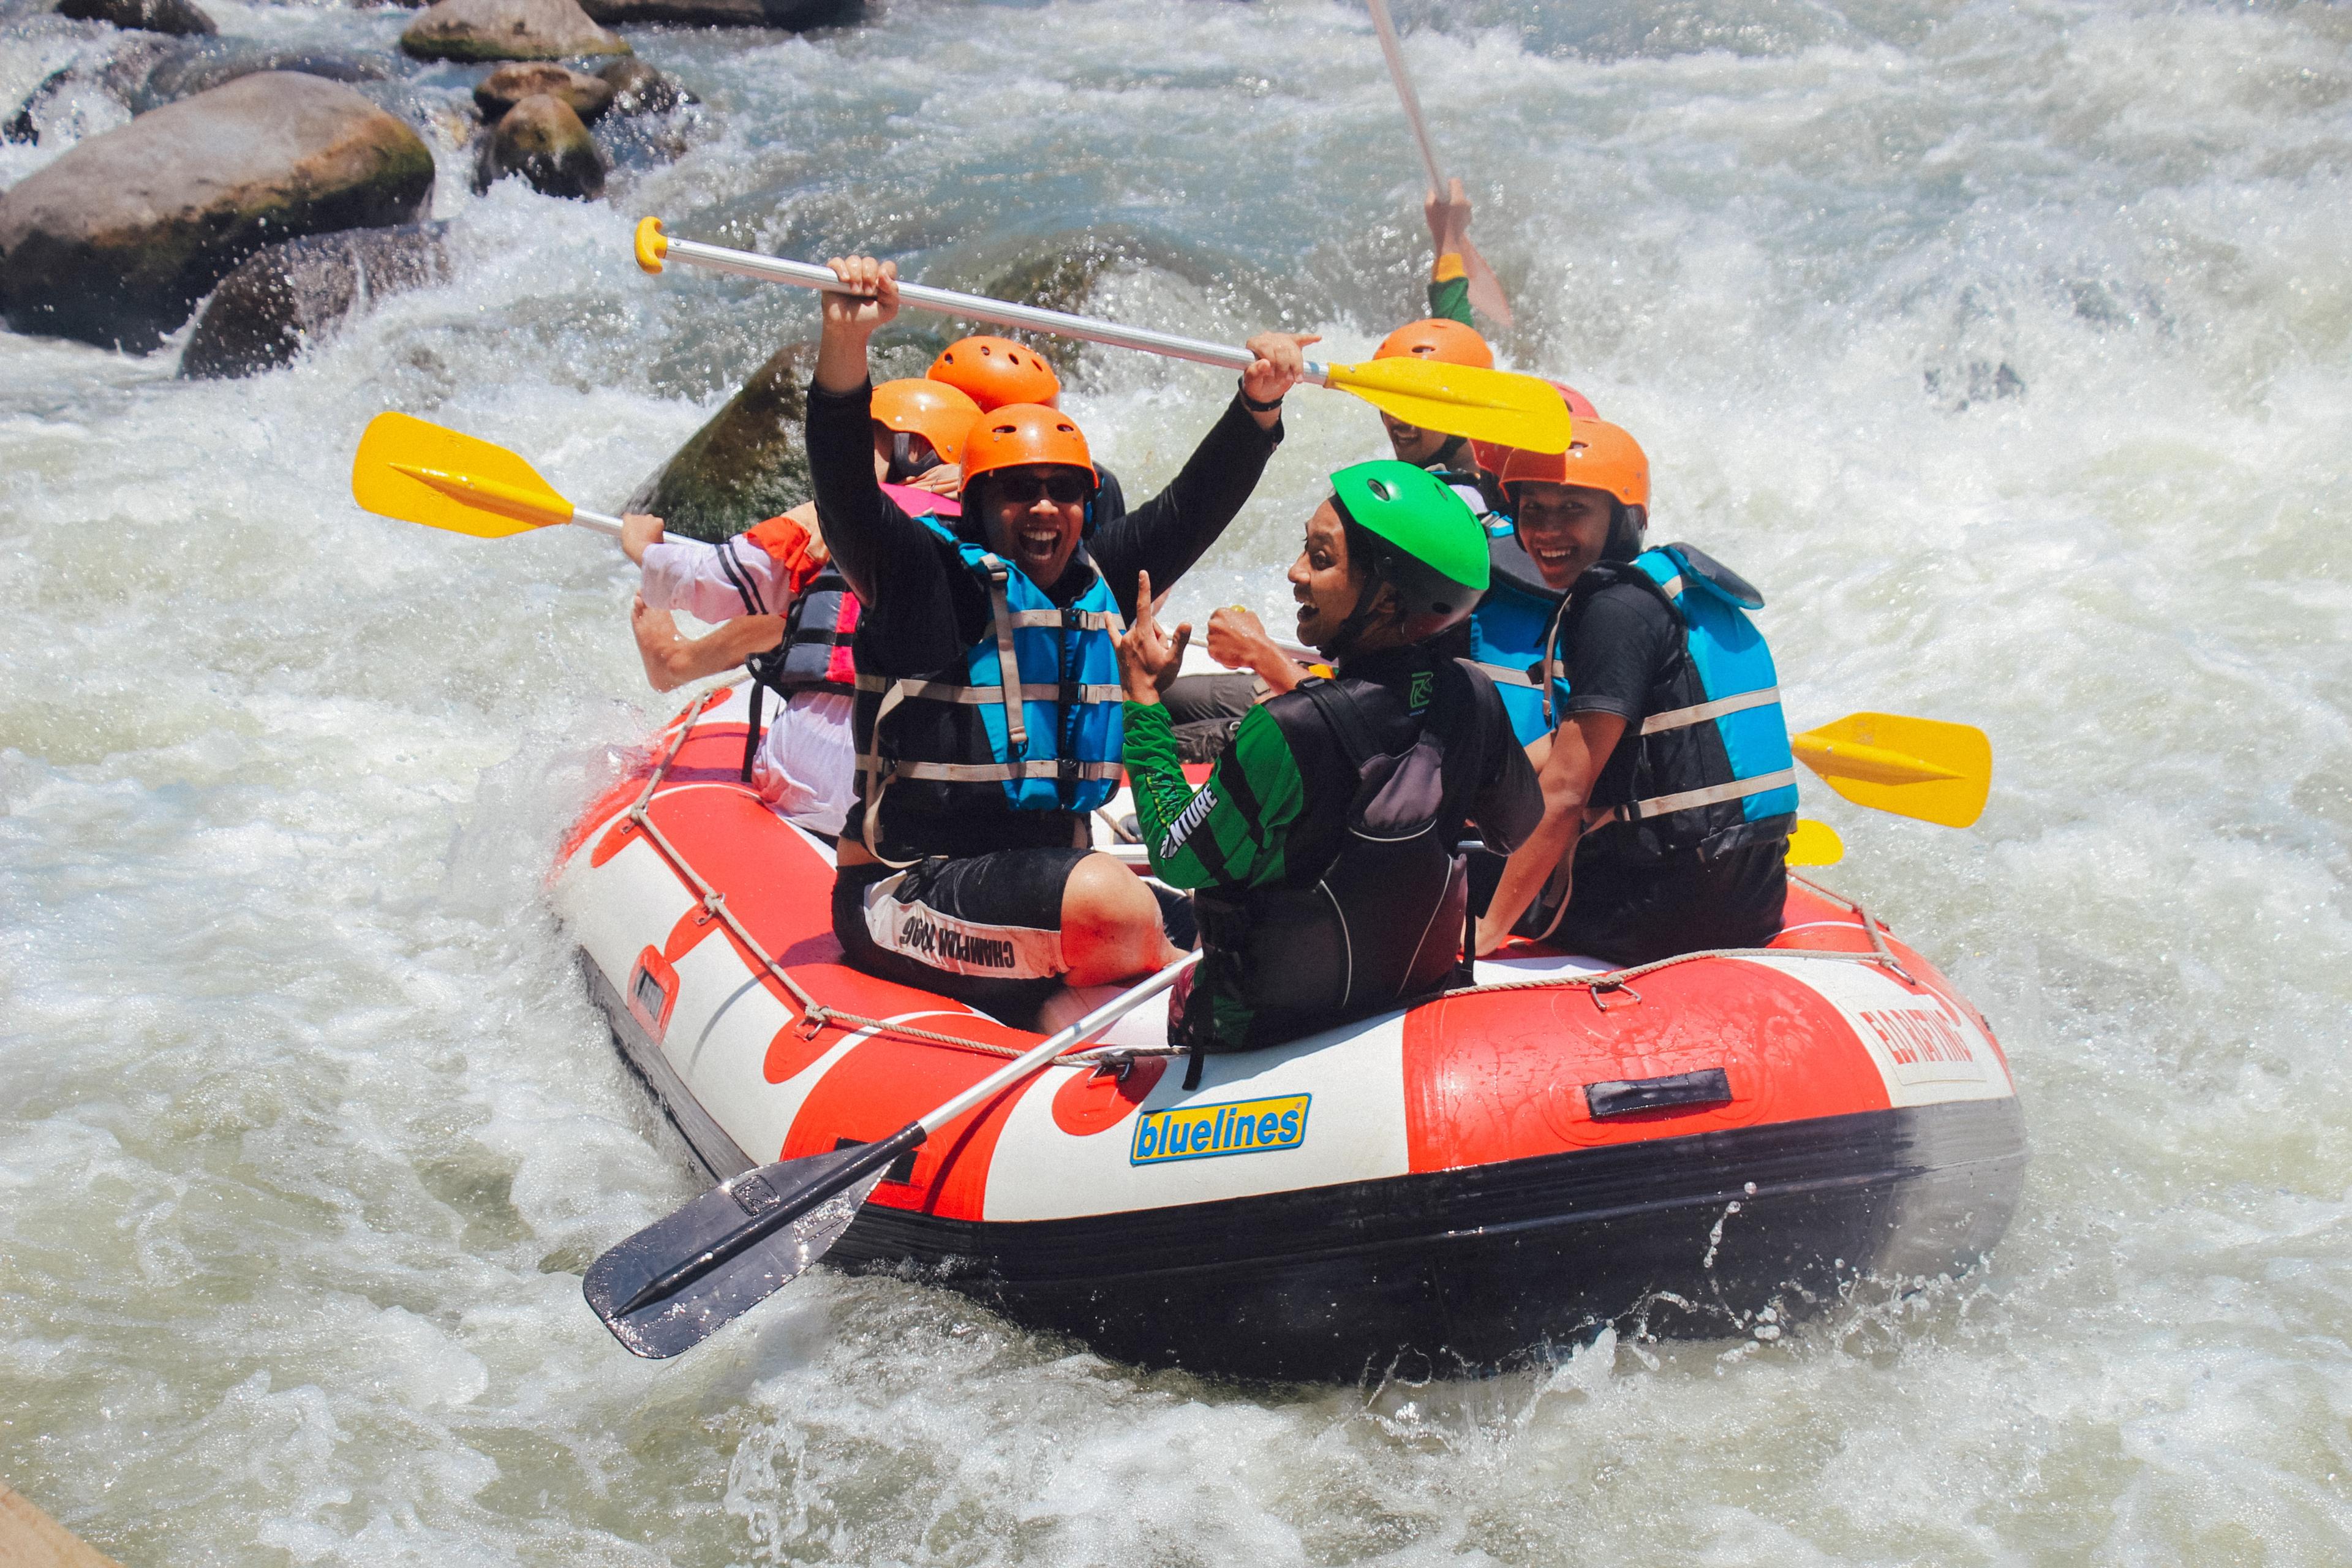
(988, 714)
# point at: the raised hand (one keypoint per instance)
(876, 302)
(1281, 364)
(1448, 218)
(1149, 658)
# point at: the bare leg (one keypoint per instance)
(1110, 925)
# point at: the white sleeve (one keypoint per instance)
(715, 583)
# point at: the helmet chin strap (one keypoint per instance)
(1343, 641)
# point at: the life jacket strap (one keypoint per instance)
(1008, 663)
(1069, 620)
(1692, 799)
(985, 773)
(1507, 674)
(1700, 712)
(981, 696)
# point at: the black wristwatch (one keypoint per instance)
(1251, 404)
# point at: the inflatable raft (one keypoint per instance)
(1511, 1164)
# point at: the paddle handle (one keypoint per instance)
(596, 521)
(1086, 1028)
(1394, 50)
(654, 247)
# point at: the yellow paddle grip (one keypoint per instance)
(651, 246)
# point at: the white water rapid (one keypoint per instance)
(2007, 347)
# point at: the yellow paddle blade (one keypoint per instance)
(1462, 400)
(1815, 844)
(1920, 768)
(422, 472)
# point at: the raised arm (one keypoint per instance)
(873, 540)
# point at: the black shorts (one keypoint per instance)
(983, 928)
(1633, 912)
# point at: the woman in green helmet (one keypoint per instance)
(1322, 848)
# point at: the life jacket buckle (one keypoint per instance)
(1067, 769)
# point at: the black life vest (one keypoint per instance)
(1383, 920)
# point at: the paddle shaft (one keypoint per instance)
(1395, 53)
(878, 1154)
(976, 307)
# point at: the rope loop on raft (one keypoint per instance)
(816, 1017)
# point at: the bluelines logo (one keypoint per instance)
(1204, 1132)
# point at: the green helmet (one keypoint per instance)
(1437, 557)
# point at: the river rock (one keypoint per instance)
(177, 16)
(507, 30)
(795, 14)
(587, 96)
(639, 88)
(749, 462)
(115, 241)
(286, 297)
(541, 139)
(201, 69)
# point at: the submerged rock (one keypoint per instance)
(116, 241)
(747, 463)
(795, 14)
(587, 96)
(541, 139)
(208, 65)
(181, 17)
(507, 30)
(639, 88)
(146, 73)
(284, 297)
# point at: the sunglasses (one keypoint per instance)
(1028, 489)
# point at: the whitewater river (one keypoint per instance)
(2006, 346)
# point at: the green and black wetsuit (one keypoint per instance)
(1325, 834)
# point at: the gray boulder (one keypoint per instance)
(181, 17)
(287, 297)
(116, 241)
(795, 14)
(586, 96)
(541, 139)
(507, 30)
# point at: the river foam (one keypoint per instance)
(2005, 347)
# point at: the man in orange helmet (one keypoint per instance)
(994, 372)
(987, 716)
(1669, 788)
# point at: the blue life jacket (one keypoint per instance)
(1507, 633)
(1712, 771)
(1047, 740)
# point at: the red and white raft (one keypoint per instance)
(1458, 1184)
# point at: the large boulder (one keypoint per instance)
(586, 96)
(285, 298)
(177, 16)
(507, 30)
(116, 241)
(541, 139)
(795, 14)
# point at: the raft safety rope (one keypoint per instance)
(815, 1015)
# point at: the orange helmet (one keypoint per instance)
(1492, 456)
(994, 372)
(1022, 433)
(931, 409)
(1449, 342)
(1600, 455)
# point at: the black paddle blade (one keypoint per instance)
(677, 1281)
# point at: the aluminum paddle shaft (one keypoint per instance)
(655, 249)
